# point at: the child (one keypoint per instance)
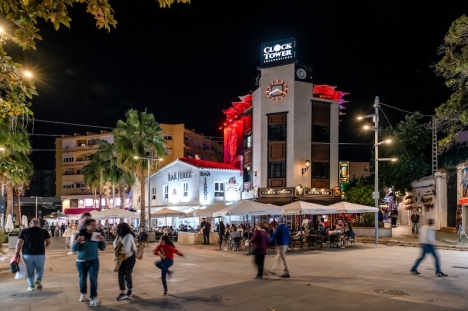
(166, 251)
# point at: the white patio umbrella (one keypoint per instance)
(306, 208)
(9, 224)
(210, 209)
(113, 213)
(247, 207)
(351, 208)
(166, 212)
(24, 221)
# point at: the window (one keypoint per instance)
(320, 134)
(168, 151)
(219, 188)
(69, 172)
(94, 141)
(320, 170)
(167, 137)
(277, 170)
(67, 186)
(277, 132)
(74, 203)
(185, 189)
(166, 191)
(79, 185)
(68, 158)
(153, 193)
(79, 171)
(248, 142)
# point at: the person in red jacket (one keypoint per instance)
(166, 251)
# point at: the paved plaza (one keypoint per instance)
(210, 279)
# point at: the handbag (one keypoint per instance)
(14, 264)
(140, 251)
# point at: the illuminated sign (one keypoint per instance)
(179, 175)
(276, 192)
(281, 51)
(343, 170)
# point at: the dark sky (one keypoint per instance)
(187, 63)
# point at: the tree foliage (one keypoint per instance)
(139, 135)
(452, 116)
(360, 191)
(411, 145)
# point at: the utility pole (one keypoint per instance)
(34, 197)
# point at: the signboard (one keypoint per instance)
(464, 182)
(343, 171)
(281, 51)
(269, 192)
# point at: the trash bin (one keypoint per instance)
(12, 239)
(151, 236)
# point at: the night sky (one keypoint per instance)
(187, 63)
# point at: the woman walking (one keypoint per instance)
(127, 238)
(260, 243)
(166, 251)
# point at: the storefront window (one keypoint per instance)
(320, 170)
(185, 189)
(219, 188)
(166, 191)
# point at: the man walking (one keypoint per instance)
(415, 222)
(281, 238)
(205, 227)
(33, 242)
(221, 232)
(427, 240)
(52, 230)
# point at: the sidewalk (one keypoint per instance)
(210, 279)
(402, 235)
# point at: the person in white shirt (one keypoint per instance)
(126, 236)
(427, 241)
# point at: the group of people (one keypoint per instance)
(33, 241)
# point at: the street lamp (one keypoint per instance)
(149, 183)
(34, 197)
(375, 128)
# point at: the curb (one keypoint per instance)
(413, 244)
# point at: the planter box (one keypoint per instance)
(12, 239)
(370, 231)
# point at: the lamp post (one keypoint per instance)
(149, 185)
(34, 197)
(375, 128)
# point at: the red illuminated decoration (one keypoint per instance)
(234, 143)
(207, 164)
(238, 107)
(328, 92)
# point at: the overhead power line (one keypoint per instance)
(74, 124)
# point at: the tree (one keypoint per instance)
(411, 145)
(359, 191)
(139, 135)
(452, 116)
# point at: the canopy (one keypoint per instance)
(55, 215)
(112, 213)
(210, 209)
(9, 224)
(166, 212)
(346, 207)
(247, 207)
(301, 207)
(190, 214)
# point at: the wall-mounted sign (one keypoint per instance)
(179, 175)
(343, 171)
(269, 192)
(317, 191)
(464, 182)
(205, 174)
(282, 51)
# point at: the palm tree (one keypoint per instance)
(11, 141)
(93, 179)
(138, 135)
(15, 172)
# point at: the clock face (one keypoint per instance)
(277, 90)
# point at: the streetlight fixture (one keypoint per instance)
(306, 168)
(149, 159)
(2, 149)
(34, 197)
(28, 74)
(375, 128)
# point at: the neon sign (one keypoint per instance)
(278, 51)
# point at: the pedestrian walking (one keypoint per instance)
(394, 217)
(415, 222)
(221, 232)
(87, 259)
(32, 242)
(63, 228)
(74, 233)
(46, 226)
(205, 228)
(166, 251)
(126, 237)
(427, 241)
(281, 237)
(52, 230)
(260, 245)
(67, 235)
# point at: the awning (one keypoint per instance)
(463, 201)
(316, 199)
(76, 211)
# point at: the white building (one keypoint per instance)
(188, 184)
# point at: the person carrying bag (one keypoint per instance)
(125, 249)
